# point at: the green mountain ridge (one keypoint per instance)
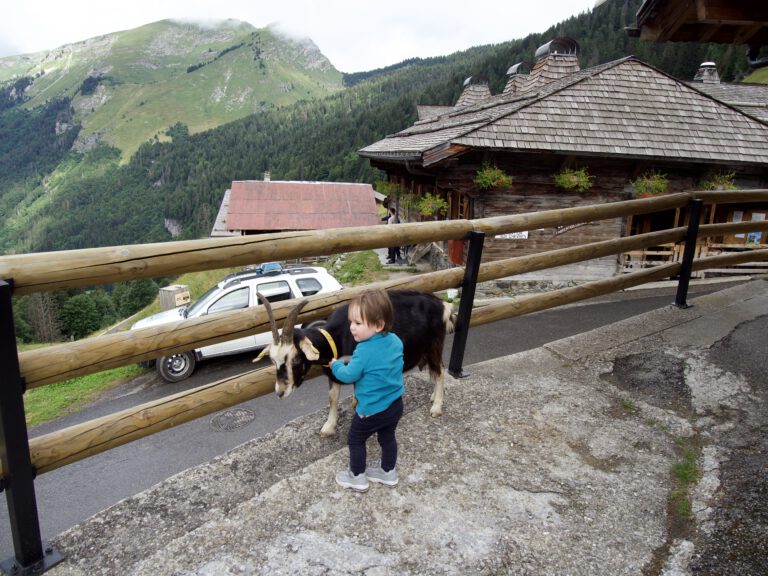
(128, 87)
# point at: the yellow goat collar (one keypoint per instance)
(331, 343)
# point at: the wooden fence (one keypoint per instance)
(29, 273)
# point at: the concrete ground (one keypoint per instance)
(558, 460)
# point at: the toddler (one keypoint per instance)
(376, 370)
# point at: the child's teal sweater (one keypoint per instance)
(376, 369)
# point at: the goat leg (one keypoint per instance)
(438, 393)
(334, 391)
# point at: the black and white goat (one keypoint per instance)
(421, 320)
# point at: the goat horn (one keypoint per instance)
(290, 321)
(268, 308)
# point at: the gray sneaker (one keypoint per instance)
(376, 473)
(358, 483)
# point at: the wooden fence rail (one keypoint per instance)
(89, 438)
(75, 268)
(55, 363)
(48, 271)
(61, 362)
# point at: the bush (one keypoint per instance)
(356, 267)
(577, 180)
(24, 332)
(80, 316)
(492, 177)
(650, 183)
(130, 297)
(718, 180)
(430, 205)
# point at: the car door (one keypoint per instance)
(237, 298)
(245, 297)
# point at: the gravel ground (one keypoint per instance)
(737, 538)
(729, 533)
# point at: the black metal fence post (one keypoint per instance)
(18, 480)
(688, 253)
(468, 286)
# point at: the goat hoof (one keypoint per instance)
(436, 412)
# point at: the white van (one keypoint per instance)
(234, 292)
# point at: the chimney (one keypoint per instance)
(707, 73)
(473, 92)
(516, 77)
(266, 176)
(556, 59)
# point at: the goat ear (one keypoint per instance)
(309, 349)
(263, 353)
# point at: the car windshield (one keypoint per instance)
(197, 305)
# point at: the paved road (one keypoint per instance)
(73, 493)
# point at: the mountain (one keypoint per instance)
(55, 196)
(128, 87)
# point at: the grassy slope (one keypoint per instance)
(146, 87)
(758, 76)
(28, 219)
(54, 400)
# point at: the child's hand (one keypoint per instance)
(344, 359)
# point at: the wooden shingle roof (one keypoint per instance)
(624, 108)
(473, 93)
(749, 98)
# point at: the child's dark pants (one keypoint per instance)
(384, 423)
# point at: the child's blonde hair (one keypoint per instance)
(375, 307)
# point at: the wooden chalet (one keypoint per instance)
(719, 21)
(260, 206)
(617, 121)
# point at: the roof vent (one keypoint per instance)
(562, 46)
(707, 73)
(519, 68)
(556, 59)
(517, 75)
(474, 91)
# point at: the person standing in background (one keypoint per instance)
(393, 255)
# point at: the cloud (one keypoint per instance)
(8, 48)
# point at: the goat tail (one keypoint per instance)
(450, 317)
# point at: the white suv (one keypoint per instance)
(234, 292)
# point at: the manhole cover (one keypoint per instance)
(232, 419)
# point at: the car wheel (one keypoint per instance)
(176, 367)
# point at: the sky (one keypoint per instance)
(355, 35)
